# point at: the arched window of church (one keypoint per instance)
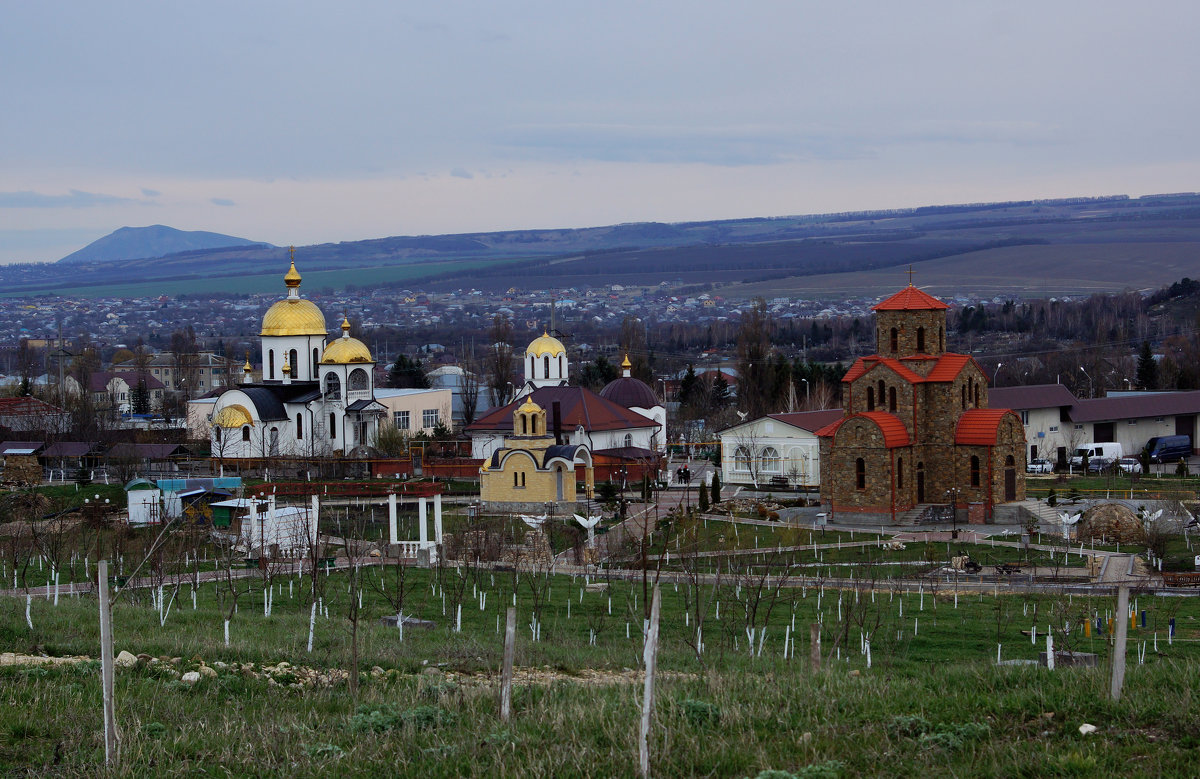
(522, 478)
(870, 398)
(628, 439)
(333, 386)
(892, 399)
(941, 339)
(920, 339)
(358, 380)
(316, 361)
(546, 365)
(532, 375)
(274, 441)
(895, 340)
(217, 434)
(294, 364)
(246, 433)
(299, 427)
(974, 470)
(882, 392)
(976, 396)
(332, 425)
(964, 397)
(899, 473)
(516, 480)
(271, 363)
(860, 474)
(524, 424)
(562, 368)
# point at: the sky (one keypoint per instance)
(308, 122)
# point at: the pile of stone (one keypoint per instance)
(1111, 523)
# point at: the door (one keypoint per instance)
(1186, 425)
(1010, 479)
(1103, 431)
(558, 482)
(1062, 457)
(920, 482)
(417, 457)
(1032, 452)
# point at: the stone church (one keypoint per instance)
(916, 429)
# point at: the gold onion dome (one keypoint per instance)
(529, 407)
(545, 344)
(346, 349)
(626, 363)
(293, 315)
(233, 415)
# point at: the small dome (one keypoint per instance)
(545, 344)
(529, 407)
(292, 277)
(630, 393)
(346, 350)
(293, 316)
(234, 415)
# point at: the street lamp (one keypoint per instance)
(953, 493)
(1091, 384)
(807, 394)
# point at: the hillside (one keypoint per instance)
(135, 243)
(1019, 248)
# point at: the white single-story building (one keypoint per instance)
(779, 447)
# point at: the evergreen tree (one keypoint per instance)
(407, 374)
(719, 397)
(139, 398)
(594, 375)
(703, 502)
(716, 487)
(689, 389)
(1147, 368)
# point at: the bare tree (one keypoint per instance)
(499, 366)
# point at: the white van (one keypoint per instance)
(1106, 451)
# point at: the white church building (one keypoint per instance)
(316, 398)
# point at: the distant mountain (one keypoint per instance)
(138, 243)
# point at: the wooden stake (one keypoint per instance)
(1118, 668)
(111, 752)
(510, 640)
(650, 658)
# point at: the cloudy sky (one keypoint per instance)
(304, 122)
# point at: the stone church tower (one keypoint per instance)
(917, 430)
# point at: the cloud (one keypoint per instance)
(74, 199)
(221, 201)
(461, 173)
(150, 192)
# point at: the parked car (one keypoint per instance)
(1039, 466)
(1099, 465)
(1130, 464)
(1169, 448)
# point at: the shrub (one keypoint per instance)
(385, 717)
(700, 714)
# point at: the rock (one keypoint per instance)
(191, 677)
(219, 665)
(806, 737)
(143, 657)
(125, 660)
(431, 672)
(204, 670)
(376, 671)
(176, 661)
(855, 672)
(1086, 729)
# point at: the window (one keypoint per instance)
(274, 441)
(546, 360)
(741, 459)
(316, 361)
(271, 363)
(400, 419)
(860, 474)
(964, 396)
(245, 432)
(358, 380)
(870, 398)
(920, 339)
(768, 460)
(333, 386)
(1131, 422)
(429, 417)
(628, 440)
(974, 471)
(519, 480)
(895, 340)
(899, 474)
(1078, 427)
(941, 340)
(293, 361)
(217, 434)
(524, 424)
(332, 426)
(1053, 428)
(892, 399)
(1024, 417)
(299, 427)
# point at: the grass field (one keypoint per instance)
(932, 700)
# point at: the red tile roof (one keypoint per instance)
(979, 426)
(894, 432)
(910, 299)
(578, 406)
(948, 367)
(865, 364)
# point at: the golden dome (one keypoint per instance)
(293, 316)
(546, 344)
(346, 350)
(292, 277)
(626, 363)
(232, 416)
(529, 407)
